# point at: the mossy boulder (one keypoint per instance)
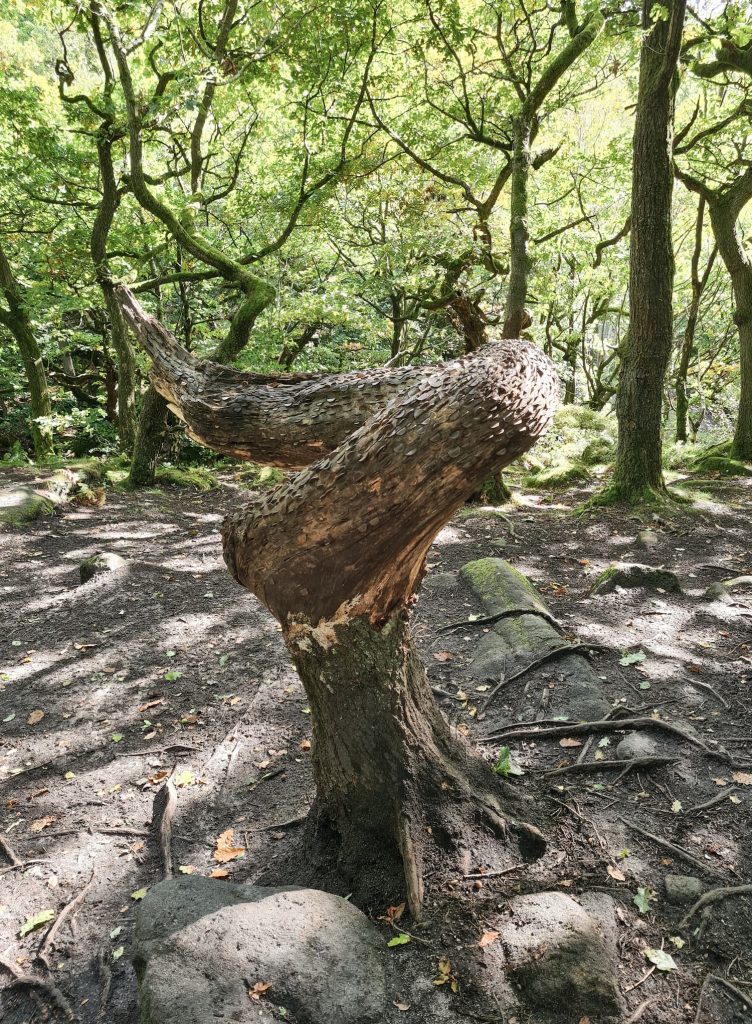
(95, 565)
(723, 465)
(598, 451)
(191, 476)
(563, 474)
(633, 575)
(23, 504)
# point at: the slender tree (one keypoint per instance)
(638, 473)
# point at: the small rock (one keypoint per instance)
(683, 889)
(646, 539)
(560, 954)
(632, 574)
(717, 592)
(103, 561)
(200, 944)
(636, 744)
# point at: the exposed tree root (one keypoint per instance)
(712, 897)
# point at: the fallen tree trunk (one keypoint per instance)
(337, 553)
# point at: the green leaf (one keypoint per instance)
(643, 899)
(172, 675)
(140, 893)
(662, 960)
(644, 685)
(604, 742)
(32, 923)
(10, 717)
(116, 737)
(170, 654)
(633, 659)
(399, 940)
(117, 953)
(506, 763)
(676, 806)
(116, 931)
(223, 659)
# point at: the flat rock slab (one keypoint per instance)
(561, 955)
(513, 643)
(201, 945)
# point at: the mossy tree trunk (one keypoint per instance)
(15, 318)
(698, 283)
(152, 424)
(638, 472)
(336, 555)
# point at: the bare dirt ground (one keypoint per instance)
(168, 666)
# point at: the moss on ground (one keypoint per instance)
(190, 476)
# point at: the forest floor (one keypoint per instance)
(167, 665)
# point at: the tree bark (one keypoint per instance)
(638, 473)
(698, 283)
(152, 424)
(519, 260)
(724, 217)
(336, 555)
(16, 320)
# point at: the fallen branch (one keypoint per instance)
(710, 689)
(165, 802)
(9, 852)
(676, 850)
(713, 896)
(649, 761)
(67, 913)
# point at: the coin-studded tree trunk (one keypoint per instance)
(337, 552)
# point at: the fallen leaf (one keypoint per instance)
(567, 742)
(393, 913)
(186, 869)
(633, 659)
(721, 782)
(643, 899)
(399, 940)
(140, 893)
(36, 921)
(676, 806)
(117, 953)
(487, 938)
(259, 990)
(443, 656)
(185, 779)
(116, 737)
(219, 873)
(678, 942)
(116, 931)
(40, 823)
(662, 960)
(35, 717)
(446, 977)
(158, 777)
(69, 775)
(743, 778)
(401, 1006)
(305, 745)
(152, 704)
(615, 873)
(225, 851)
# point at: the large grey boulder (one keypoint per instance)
(561, 954)
(201, 945)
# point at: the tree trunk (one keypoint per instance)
(336, 555)
(16, 320)
(519, 260)
(152, 425)
(638, 473)
(688, 342)
(724, 216)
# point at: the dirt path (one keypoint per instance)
(167, 665)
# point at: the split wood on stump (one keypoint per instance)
(337, 552)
